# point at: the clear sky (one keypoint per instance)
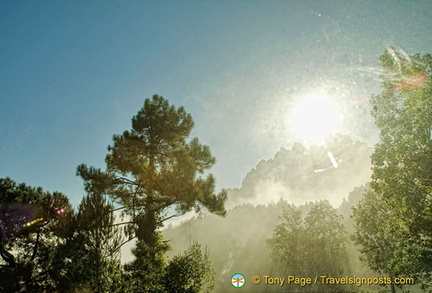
(73, 73)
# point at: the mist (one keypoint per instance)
(301, 176)
(206, 146)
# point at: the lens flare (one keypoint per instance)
(315, 117)
(32, 222)
(412, 81)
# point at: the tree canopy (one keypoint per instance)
(189, 272)
(153, 167)
(400, 205)
(88, 257)
(31, 224)
(154, 172)
(313, 245)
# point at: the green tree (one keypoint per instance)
(155, 174)
(311, 246)
(402, 160)
(381, 237)
(288, 242)
(89, 258)
(190, 272)
(327, 240)
(31, 224)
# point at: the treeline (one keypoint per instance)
(278, 239)
(387, 224)
(48, 247)
(154, 172)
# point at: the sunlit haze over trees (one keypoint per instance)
(189, 146)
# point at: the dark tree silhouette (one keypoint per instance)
(31, 223)
(88, 258)
(155, 174)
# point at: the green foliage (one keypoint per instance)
(323, 226)
(144, 273)
(372, 217)
(237, 241)
(402, 161)
(89, 257)
(189, 272)
(151, 171)
(153, 167)
(288, 241)
(311, 246)
(31, 224)
(383, 238)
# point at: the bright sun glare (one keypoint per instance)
(315, 117)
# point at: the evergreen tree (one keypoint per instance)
(189, 272)
(151, 171)
(89, 258)
(31, 224)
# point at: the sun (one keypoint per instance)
(315, 117)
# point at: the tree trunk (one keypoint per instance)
(393, 288)
(7, 256)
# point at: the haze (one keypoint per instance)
(73, 73)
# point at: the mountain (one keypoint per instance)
(304, 174)
(237, 243)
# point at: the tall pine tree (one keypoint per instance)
(155, 173)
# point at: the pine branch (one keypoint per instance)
(36, 245)
(120, 246)
(170, 217)
(122, 223)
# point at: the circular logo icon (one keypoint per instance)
(238, 280)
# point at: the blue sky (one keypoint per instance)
(73, 73)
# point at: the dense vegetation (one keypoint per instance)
(154, 173)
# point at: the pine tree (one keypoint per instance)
(89, 258)
(153, 170)
(31, 224)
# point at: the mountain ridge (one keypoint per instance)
(302, 174)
